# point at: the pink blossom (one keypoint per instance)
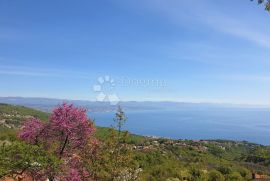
(31, 130)
(68, 126)
(67, 133)
(69, 122)
(72, 175)
(73, 170)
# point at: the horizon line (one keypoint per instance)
(140, 101)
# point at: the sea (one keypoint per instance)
(239, 124)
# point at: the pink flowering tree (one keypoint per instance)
(32, 130)
(74, 170)
(67, 132)
(70, 127)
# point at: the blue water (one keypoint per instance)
(234, 124)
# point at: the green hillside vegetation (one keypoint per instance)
(161, 159)
(12, 117)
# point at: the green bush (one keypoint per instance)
(18, 157)
(215, 175)
(225, 170)
(234, 176)
(245, 173)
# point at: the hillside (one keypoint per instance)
(12, 116)
(161, 158)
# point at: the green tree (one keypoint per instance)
(120, 119)
(245, 173)
(113, 158)
(234, 176)
(163, 172)
(215, 175)
(225, 170)
(197, 174)
(18, 158)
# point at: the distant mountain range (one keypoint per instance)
(47, 104)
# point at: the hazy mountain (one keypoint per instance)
(46, 104)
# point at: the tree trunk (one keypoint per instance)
(64, 146)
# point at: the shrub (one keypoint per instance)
(234, 176)
(215, 175)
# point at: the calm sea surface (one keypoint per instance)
(235, 124)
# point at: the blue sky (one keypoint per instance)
(205, 51)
